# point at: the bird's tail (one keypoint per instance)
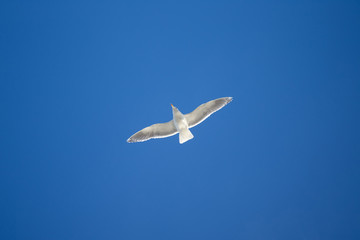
(185, 135)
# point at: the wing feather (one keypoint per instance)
(205, 110)
(159, 130)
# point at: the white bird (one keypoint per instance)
(180, 123)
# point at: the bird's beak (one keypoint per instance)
(172, 105)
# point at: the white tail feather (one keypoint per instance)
(185, 135)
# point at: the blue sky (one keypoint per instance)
(279, 162)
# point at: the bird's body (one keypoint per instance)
(180, 123)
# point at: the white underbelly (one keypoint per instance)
(181, 124)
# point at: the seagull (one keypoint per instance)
(180, 123)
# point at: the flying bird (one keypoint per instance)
(180, 123)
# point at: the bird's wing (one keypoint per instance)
(205, 110)
(160, 130)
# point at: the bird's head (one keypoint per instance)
(174, 109)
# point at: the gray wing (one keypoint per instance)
(160, 130)
(205, 110)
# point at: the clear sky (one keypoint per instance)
(281, 161)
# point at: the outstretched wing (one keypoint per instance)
(205, 110)
(160, 130)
